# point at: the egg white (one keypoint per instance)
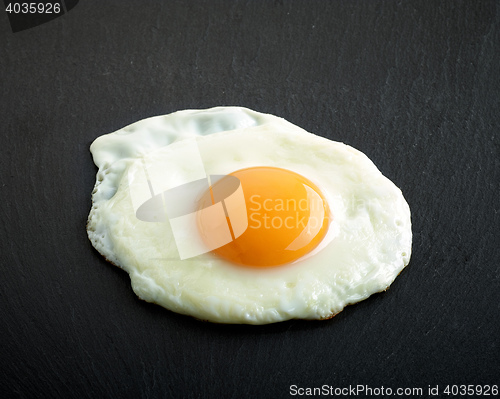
(368, 245)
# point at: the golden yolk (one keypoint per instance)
(283, 217)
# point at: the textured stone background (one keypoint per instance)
(413, 84)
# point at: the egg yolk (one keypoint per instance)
(283, 217)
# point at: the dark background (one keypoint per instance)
(415, 85)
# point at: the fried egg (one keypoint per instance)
(234, 216)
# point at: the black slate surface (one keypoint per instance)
(413, 84)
